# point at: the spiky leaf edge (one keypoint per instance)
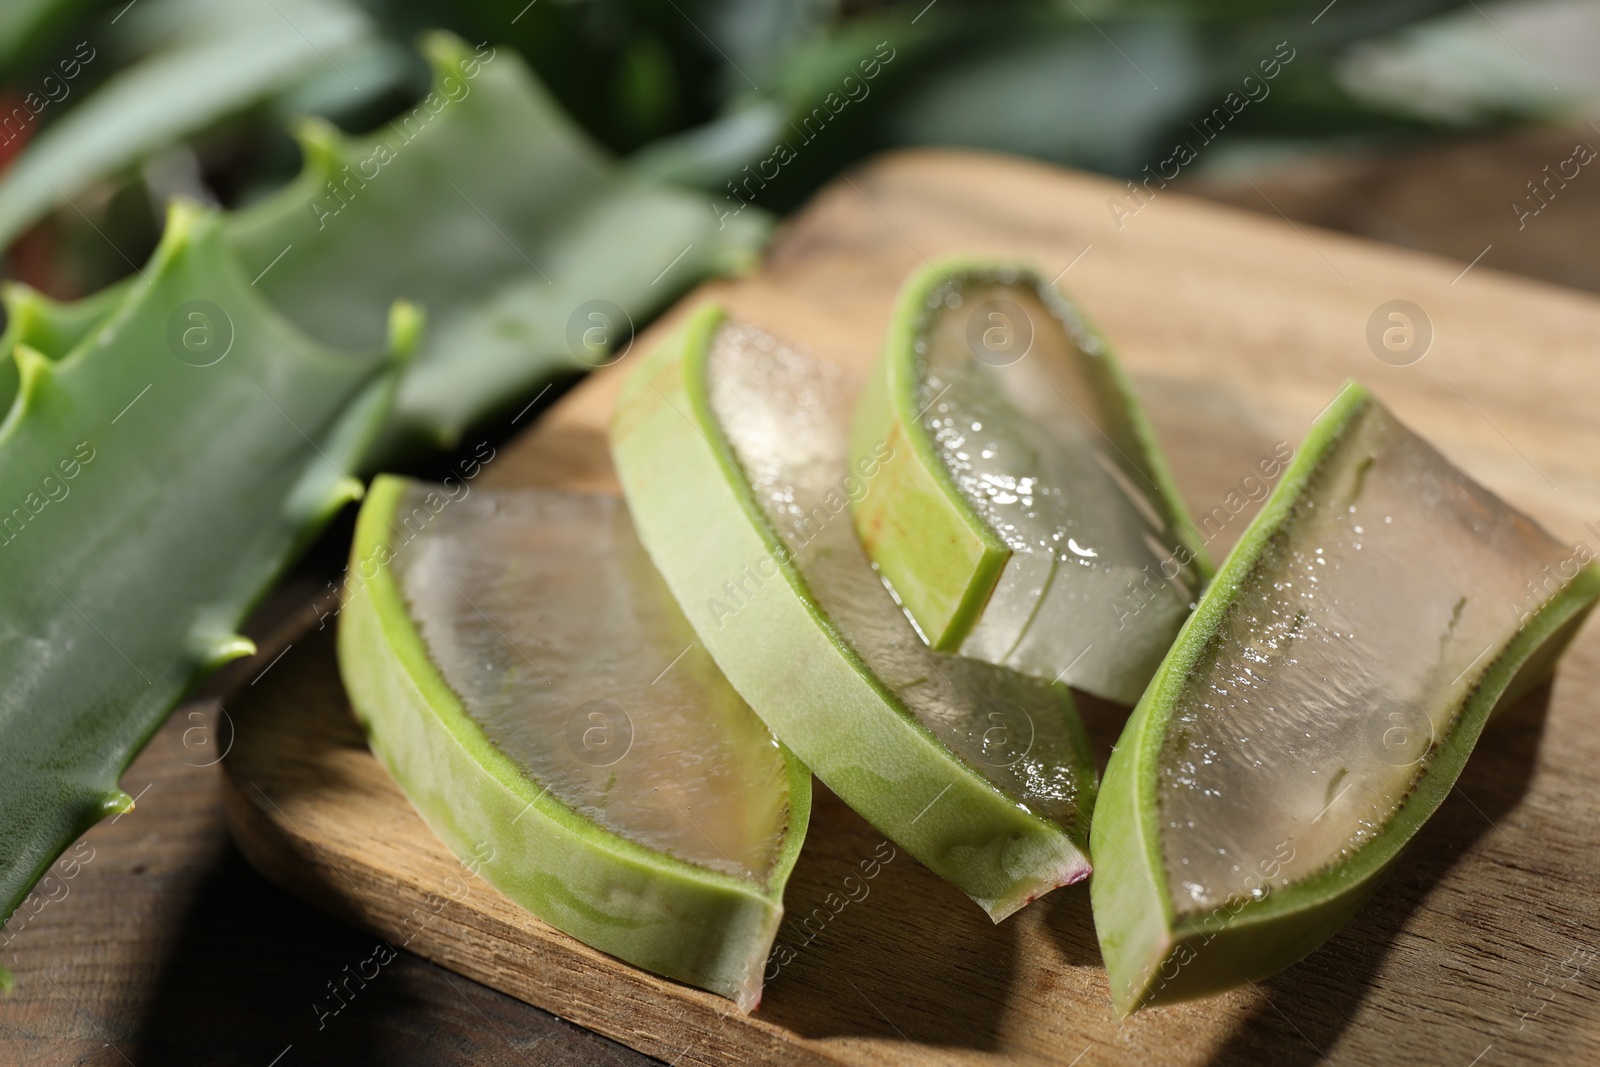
(76, 332)
(414, 426)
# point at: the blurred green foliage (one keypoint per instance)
(696, 91)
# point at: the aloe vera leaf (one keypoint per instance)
(526, 678)
(519, 237)
(51, 328)
(1027, 517)
(487, 207)
(256, 49)
(731, 449)
(148, 503)
(1318, 706)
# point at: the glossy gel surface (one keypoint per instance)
(543, 613)
(786, 416)
(1091, 593)
(1341, 665)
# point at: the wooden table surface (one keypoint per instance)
(164, 947)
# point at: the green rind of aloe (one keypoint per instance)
(686, 922)
(1152, 954)
(698, 519)
(938, 553)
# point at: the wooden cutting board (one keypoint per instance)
(1484, 946)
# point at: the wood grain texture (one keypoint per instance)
(1453, 197)
(1482, 946)
(155, 943)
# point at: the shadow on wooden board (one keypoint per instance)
(912, 960)
(1330, 985)
(250, 974)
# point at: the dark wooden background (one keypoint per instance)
(166, 948)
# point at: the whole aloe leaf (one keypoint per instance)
(154, 481)
(529, 248)
(994, 76)
(531, 251)
(255, 49)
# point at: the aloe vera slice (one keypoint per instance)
(1026, 517)
(525, 677)
(1319, 705)
(732, 448)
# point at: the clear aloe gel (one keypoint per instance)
(1347, 655)
(544, 615)
(1319, 705)
(529, 682)
(1028, 521)
(784, 415)
(733, 452)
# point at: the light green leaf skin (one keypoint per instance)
(1150, 956)
(160, 99)
(495, 214)
(938, 553)
(186, 500)
(686, 922)
(51, 328)
(698, 519)
(500, 218)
